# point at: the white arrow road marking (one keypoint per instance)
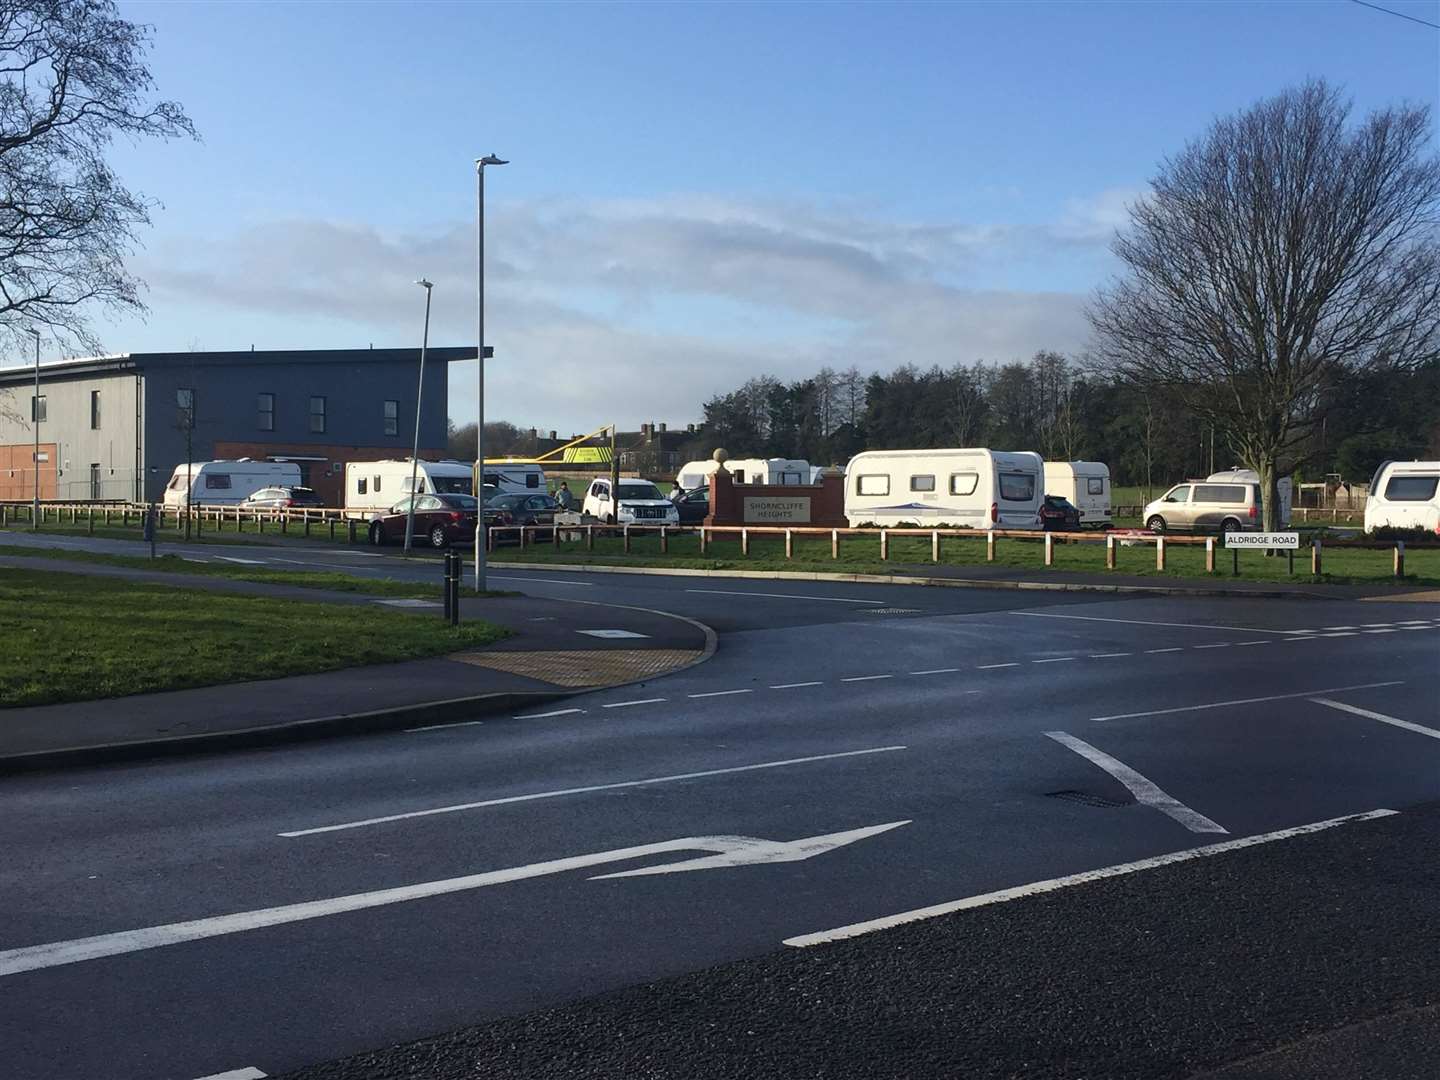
(1144, 790)
(736, 850)
(748, 851)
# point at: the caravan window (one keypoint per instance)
(360, 486)
(451, 485)
(532, 480)
(875, 484)
(419, 484)
(922, 483)
(1017, 486)
(377, 484)
(790, 478)
(1095, 485)
(964, 483)
(1411, 488)
(218, 481)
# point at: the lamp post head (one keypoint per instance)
(33, 332)
(425, 284)
(489, 159)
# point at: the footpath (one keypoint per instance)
(556, 648)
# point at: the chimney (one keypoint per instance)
(691, 429)
(662, 427)
(534, 434)
(644, 430)
(552, 435)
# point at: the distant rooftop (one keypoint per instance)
(88, 365)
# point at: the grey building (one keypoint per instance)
(115, 427)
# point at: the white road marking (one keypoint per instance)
(1106, 655)
(1220, 645)
(865, 678)
(1419, 729)
(609, 634)
(1343, 633)
(1019, 892)
(547, 580)
(1055, 660)
(251, 1073)
(785, 596)
(1146, 791)
(1388, 630)
(626, 704)
(936, 671)
(441, 727)
(1248, 701)
(721, 693)
(1242, 644)
(738, 851)
(409, 603)
(1337, 628)
(247, 562)
(547, 715)
(1175, 648)
(590, 788)
(794, 685)
(1142, 622)
(989, 667)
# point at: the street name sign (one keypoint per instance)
(1285, 541)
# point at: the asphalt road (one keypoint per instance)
(914, 739)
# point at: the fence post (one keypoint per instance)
(1399, 558)
(935, 545)
(989, 545)
(625, 529)
(702, 539)
(744, 541)
(1315, 557)
(522, 538)
(285, 521)
(4, 511)
(350, 531)
(789, 545)
(664, 539)
(1109, 552)
(1209, 555)
(107, 517)
(834, 543)
(90, 520)
(589, 537)
(1049, 549)
(884, 544)
(1159, 553)
(332, 530)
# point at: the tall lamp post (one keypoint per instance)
(480, 163)
(35, 424)
(419, 396)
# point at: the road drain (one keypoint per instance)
(891, 611)
(1086, 798)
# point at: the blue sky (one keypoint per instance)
(698, 193)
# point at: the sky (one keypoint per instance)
(697, 193)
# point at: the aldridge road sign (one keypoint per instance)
(1290, 540)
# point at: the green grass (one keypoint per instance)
(861, 555)
(305, 579)
(133, 532)
(72, 637)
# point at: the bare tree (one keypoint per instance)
(851, 391)
(1284, 248)
(967, 404)
(72, 77)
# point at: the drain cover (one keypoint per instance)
(892, 611)
(1087, 798)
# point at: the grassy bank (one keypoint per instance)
(72, 637)
(861, 555)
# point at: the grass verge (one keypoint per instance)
(911, 555)
(72, 637)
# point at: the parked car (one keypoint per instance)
(639, 503)
(1060, 514)
(520, 510)
(282, 498)
(1205, 507)
(440, 520)
(693, 505)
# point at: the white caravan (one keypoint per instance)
(787, 471)
(1086, 484)
(964, 488)
(1283, 487)
(226, 483)
(379, 485)
(1404, 495)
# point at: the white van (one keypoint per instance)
(1283, 487)
(1086, 484)
(226, 483)
(379, 485)
(788, 471)
(963, 488)
(1404, 495)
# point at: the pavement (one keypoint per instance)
(1110, 806)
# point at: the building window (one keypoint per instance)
(185, 408)
(37, 409)
(392, 418)
(265, 412)
(95, 411)
(317, 415)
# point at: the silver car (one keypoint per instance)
(1200, 506)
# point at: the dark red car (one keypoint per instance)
(1060, 514)
(440, 520)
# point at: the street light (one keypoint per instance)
(419, 396)
(480, 163)
(35, 423)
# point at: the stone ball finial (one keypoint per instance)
(720, 456)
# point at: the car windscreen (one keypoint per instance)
(640, 491)
(451, 485)
(461, 502)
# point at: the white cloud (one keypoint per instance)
(631, 310)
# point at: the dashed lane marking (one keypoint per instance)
(794, 685)
(648, 781)
(548, 715)
(1419, 729)
(992, 667)
(625, 704)
(1037, 887)
(1173, 648)
(865, 678)
(1054, 659)
(1107, 655)
(441, 727)
(1217, 645)
(937, 671)
(1145, 790)
(786, 596)
(1144, 622)
(720, 693)
(1246, 701)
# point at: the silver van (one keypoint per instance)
(1205, 506)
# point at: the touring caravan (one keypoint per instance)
(962, 488)
(379, 485)
(1086, 484)
(226, 483)
(1404, 495)
(789, 471)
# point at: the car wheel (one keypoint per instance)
(377, 534)
(1156, 525)
(438, 538)
(1229, 525)
(610, 519)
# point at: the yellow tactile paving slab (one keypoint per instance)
(584, 667)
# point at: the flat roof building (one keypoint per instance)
(115, 427)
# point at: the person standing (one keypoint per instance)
(563, 496)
